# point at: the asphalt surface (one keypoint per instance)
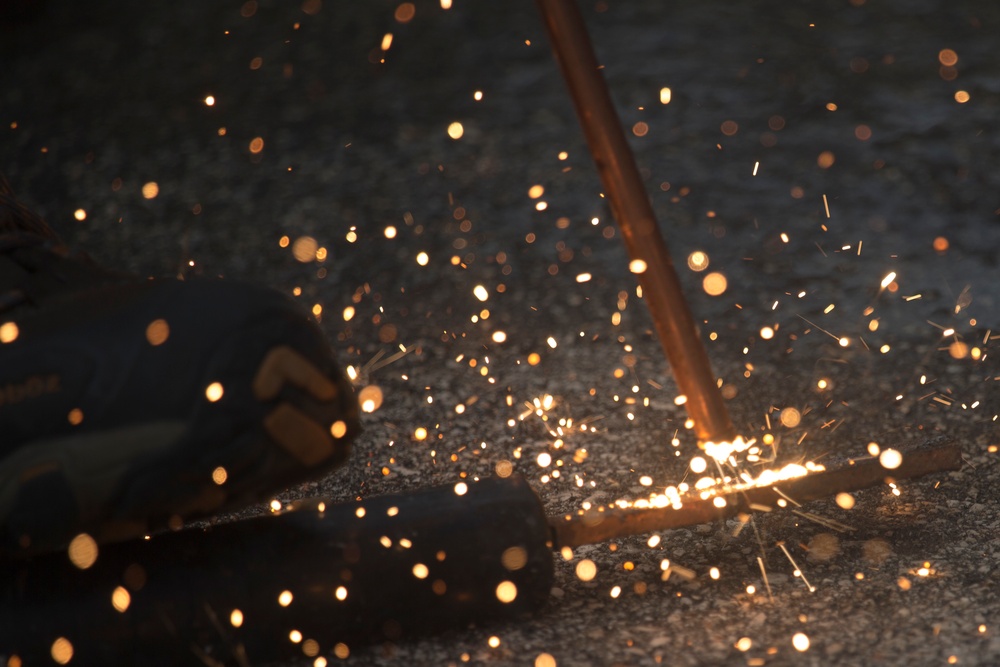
(809, 150)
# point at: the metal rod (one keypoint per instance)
(595, 526)
(631, 207)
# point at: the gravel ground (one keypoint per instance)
(808, 149)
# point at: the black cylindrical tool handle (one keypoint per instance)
(298, 583)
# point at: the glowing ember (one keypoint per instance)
(214, 391)
(83, 551)
(845, 501)
(637, 266)
(545, 660)
(370, 398)
(61, 651)
(157, 332)
(455, 130)
(8, 332)
(715, 284)
(586, 570)
(506, 591)
(285, 598)
(697, 261)
(890, 459)
(120, 599)
(800, 641)
(338, 429)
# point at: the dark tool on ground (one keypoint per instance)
(309, 579)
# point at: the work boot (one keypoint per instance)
(130, 404)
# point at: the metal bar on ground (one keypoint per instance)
(632, 209)
(594, 526)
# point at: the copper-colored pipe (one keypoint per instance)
(631, 207)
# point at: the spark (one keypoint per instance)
(763, 572)
(157, 332)
(637, 266)
(845, 501)
(698, 261)
(120, 599)
(214, 392)
(219, 475)
(61, 650)
(545, 660)
(800, 641)
(798, 571)
(890, 459)
(586, 570)
(82, 551)
(715, 284)
(455, 130)
(8, 332)
(665, 95)
(506, 591)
